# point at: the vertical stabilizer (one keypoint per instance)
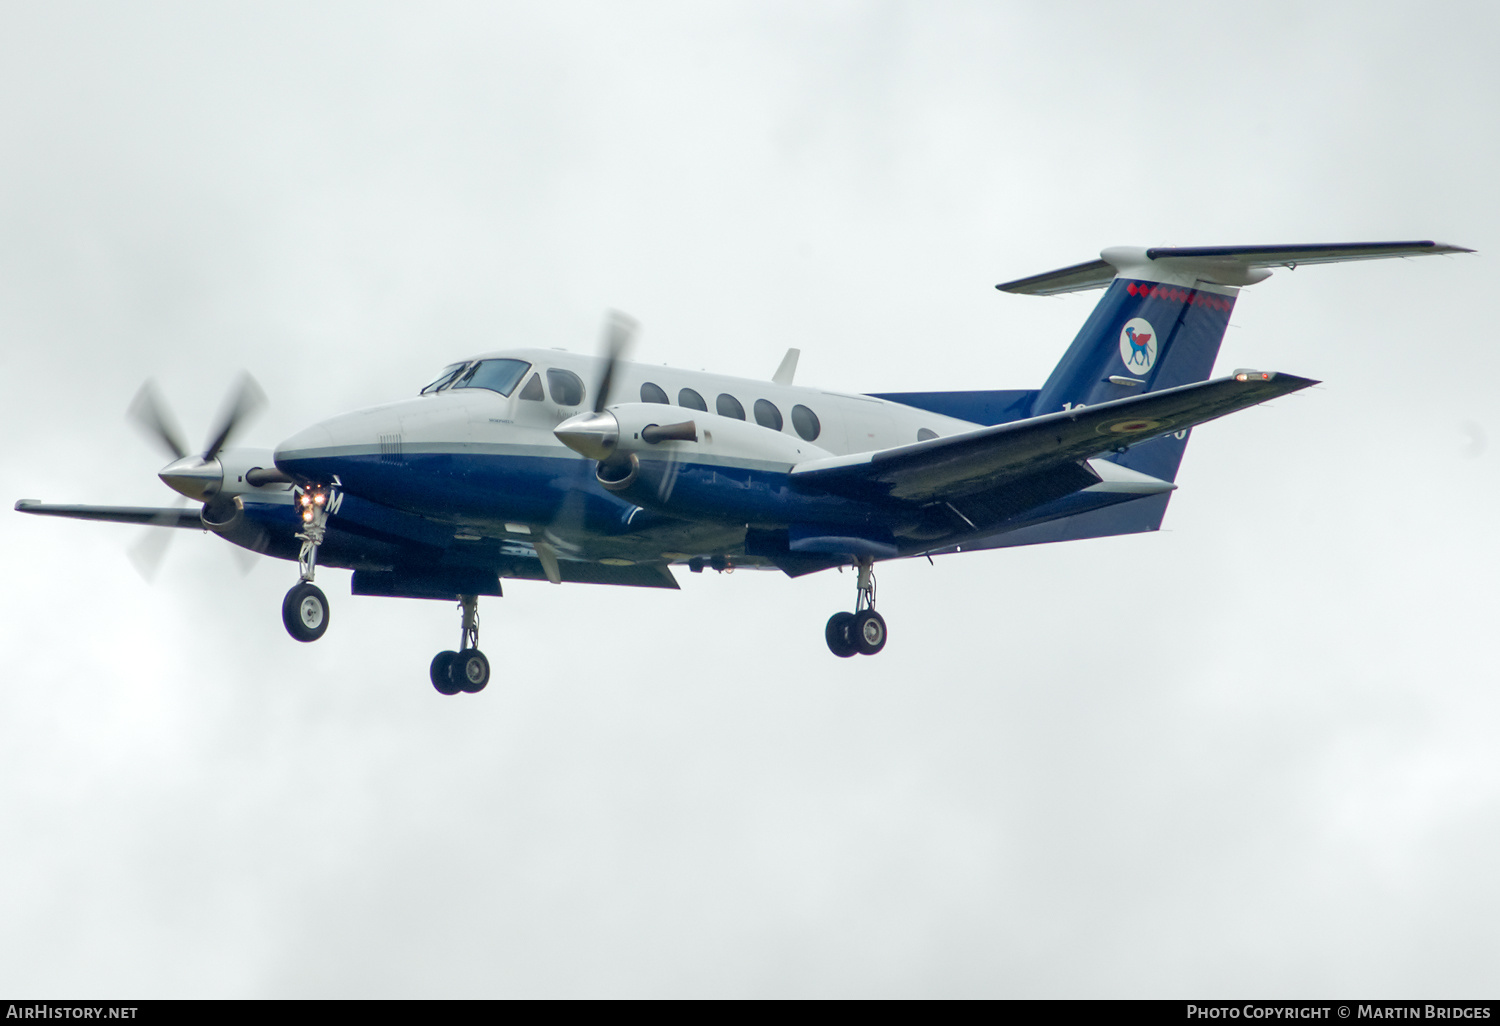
(1162, 318)
(1144, 335)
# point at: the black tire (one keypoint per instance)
(868, 632)
(471, 671)
(441, 672)
(839, 635)
(304, 612)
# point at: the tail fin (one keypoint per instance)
(1161, 321)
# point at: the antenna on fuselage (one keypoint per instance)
(788, 368)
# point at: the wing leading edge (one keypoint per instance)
(950, 468)
(151, 516)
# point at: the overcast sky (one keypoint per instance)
(1253, 754)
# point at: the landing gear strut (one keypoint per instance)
(467, 669)
(863, 631)
(304, 611)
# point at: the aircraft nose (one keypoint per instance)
(594, 435)
(311, 442)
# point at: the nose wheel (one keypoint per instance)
(863, 631)
(468, 669)
(304, 611)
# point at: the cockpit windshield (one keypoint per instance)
(444, 379)
(496, 375)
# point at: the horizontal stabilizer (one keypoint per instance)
(1078, 278)
(168, 516)
(1226, 265)
(946, 469)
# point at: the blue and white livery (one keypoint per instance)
(546, 465)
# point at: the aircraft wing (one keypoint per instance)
(164, 516)
(1049, 446)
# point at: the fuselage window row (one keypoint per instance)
(767, 414)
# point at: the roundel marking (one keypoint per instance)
(1133, 426)
(1138, 345)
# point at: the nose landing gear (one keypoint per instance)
(467, 669)
(304, 611)
(863, 631)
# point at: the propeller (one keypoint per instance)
(244, 401)
(150, 549)
(193, 476)
(196, 476)
(620, 330)
(619, 336)
(151, 416)
(596, 435)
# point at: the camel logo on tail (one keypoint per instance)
(1138, 346)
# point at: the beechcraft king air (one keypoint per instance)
(545, 465)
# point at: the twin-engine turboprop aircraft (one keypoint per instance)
(544, 465)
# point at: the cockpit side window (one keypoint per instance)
(446, 378)
(533, 389)
(496, 375)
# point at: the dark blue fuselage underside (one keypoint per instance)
(463, 509)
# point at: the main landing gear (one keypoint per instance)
(861, 632)
(467, 669)
(304, 611)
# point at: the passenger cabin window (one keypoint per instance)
(767, 415)
(533, 389)
(728, 406)
(446, 378)
(496, 375)
(653, 394)
(692, 400)
(565, 386)
(806, 423)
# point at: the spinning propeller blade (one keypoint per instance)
(151, 548)
(243, 402)
(150, 414)
(619, 335)
(568, 522)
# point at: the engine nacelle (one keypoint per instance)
(693, 464)
(654, 430)
(232, 472)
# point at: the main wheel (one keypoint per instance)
(304, 612)
(471, 670)
(868, 632)
(442, 673)
(840, 635)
